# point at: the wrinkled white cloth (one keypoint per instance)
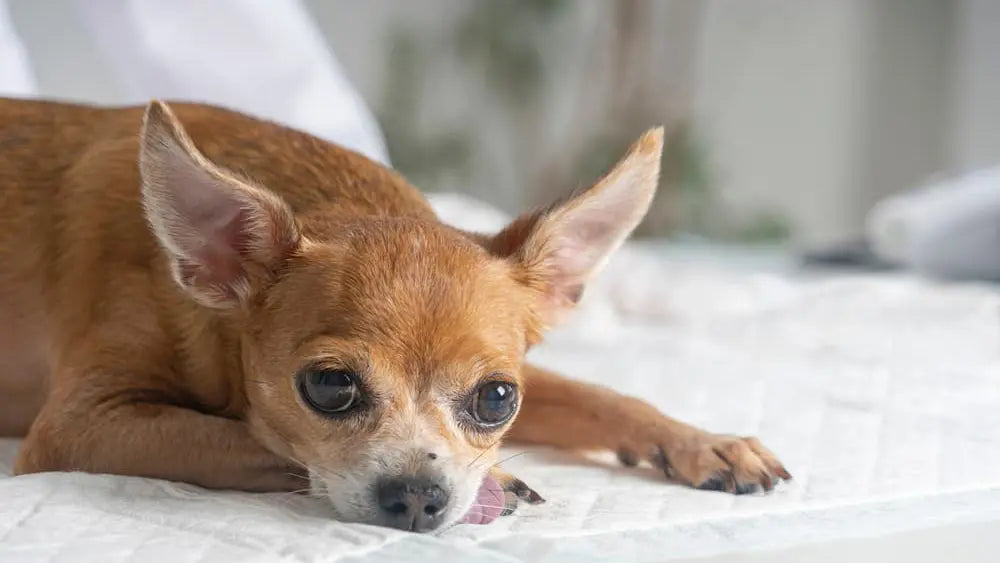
(263, 58)
(880, 393)
(16, 76)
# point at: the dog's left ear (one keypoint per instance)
(558, 249)
(224, 238)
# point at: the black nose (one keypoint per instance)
(412, 503)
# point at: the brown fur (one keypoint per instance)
(110, 365)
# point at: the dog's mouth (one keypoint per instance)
(489, 503)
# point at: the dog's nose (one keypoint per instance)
(412, 503)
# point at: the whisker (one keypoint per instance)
(490, 447)
(477, 505)
(298, 491)
(314, 470)
(298, 461)
(510, 457)
(325, 473)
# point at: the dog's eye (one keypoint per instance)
(494, 403)
(329, 391)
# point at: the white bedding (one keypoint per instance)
(881, 394)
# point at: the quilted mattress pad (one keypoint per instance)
(880, 393)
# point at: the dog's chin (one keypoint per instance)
(479, 503)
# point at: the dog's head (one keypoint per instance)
(382, 353)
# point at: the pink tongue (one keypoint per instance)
(488, 504)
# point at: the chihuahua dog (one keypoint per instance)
(192, 294)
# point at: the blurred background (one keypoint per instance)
(787, 120)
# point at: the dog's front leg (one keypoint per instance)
(574, 415)
(127, 433)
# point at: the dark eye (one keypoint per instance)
(329, 391)
(494, 403)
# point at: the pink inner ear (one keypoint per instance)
(212, 226)
(218, 261)
(575, 254)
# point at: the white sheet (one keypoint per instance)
(881, 394)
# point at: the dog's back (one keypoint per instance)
(71, 220)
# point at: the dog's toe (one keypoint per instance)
(524, 492)
(735, 465)
(515, 491)
(628, 457)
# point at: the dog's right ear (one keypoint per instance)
(224, 238)
(558, 249)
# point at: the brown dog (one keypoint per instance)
(200, 296)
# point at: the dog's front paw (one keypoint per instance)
(515, 491)
(713, 462)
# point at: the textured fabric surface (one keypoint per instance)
(881, 394)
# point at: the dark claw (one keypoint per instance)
(766, 482)
(509, 506)
(516, 491)
(530, 496)
(784, 474)
(628, 457)
(713, 484)
(726, 482)
(525, 493)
